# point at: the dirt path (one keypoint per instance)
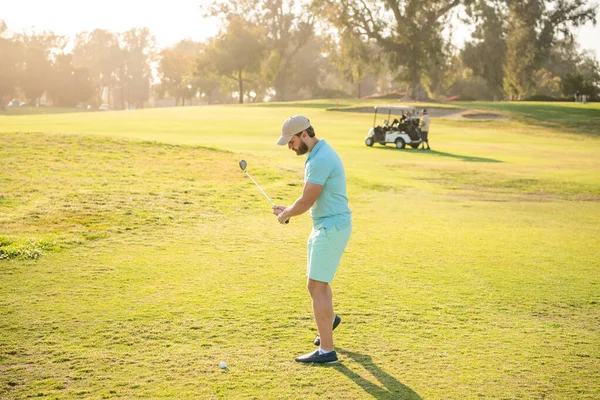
(468, 114)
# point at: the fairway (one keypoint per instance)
(135, 256)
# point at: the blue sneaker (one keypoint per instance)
(336, 322)
(315, 357)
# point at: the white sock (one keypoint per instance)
(321, 351)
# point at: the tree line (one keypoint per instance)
(288, 49)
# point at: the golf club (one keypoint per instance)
(243, 165)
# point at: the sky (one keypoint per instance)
(169, 21)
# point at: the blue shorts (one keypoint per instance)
(325, 250)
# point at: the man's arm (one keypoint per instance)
(309, 195)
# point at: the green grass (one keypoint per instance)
(564, 117)
(136, 256)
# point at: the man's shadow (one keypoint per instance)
(393, 388)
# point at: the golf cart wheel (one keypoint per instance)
(369, 141)
(400, 143)
(414, 145)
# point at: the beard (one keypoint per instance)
(302, 149)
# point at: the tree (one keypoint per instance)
(557, 21)
(237, 53)
(287, 27)
(563, 58)
(547, 84)
(461, 82)
(69, 85)
(513, 40)
(589, 67)
(586, 80)
(99, 50)
(485, 53)
(287, 33)
(172, 71)
(519, 65)
(314, 74)
(138, 51)
(11, 51)
(177, 67)
(409, 32)
(205, 75)
(37, 67)
(533, 28)
(353, 57)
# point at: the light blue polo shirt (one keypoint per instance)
(324, 167)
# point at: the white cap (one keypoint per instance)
(292, 126)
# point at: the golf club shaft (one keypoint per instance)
(259, 188)
(263, 192)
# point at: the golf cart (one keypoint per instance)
(404, 129)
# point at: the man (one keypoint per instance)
(324, 194)
(424, 127)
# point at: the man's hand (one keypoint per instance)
(310, 193)
(279, 211)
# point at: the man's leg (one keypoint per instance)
(323, 310)
(325, 249)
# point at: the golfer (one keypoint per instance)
(324, 194)
(424, 128)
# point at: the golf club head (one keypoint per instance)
(243, 165)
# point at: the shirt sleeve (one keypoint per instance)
(317, 171)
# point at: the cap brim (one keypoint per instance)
(283, 140)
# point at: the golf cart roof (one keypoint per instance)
(393, 109)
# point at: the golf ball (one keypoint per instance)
(223, 365)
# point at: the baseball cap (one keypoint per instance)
(292, 126)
